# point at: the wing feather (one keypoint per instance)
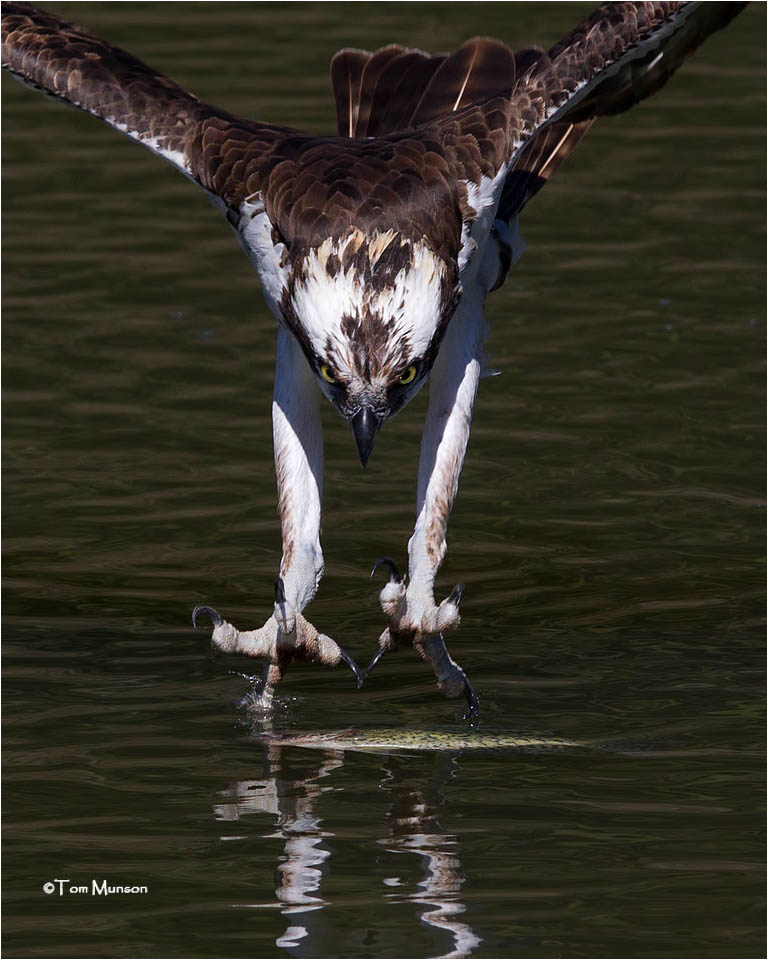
(217, 150)
(398, 91)
(368, 83)
(346, 74)
(505, 148)
(466, 76)
(485, 127)
(621, 54)
(536, 163)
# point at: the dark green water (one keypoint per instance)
(608, 527)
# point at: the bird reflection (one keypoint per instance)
(414, 828)
(413, 785)
(291, 801)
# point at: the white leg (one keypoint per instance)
(298, 441)
(412, 613)
(453, 386)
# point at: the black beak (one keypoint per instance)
(365, 425)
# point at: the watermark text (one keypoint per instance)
(94, 888)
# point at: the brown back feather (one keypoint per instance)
(397, 89)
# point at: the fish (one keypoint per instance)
(403, 740)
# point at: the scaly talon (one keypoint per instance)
(285, 637)
(414, 620)
(392, 595)
(448, 617)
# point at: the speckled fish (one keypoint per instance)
(392, 739)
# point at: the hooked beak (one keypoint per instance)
(365, 425)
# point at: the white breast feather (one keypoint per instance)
(410, 305)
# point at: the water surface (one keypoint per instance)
(609, 529)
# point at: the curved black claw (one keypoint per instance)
(472, 702)
(394, 571)
(456, 594)
(379, 654)
(279, 590)
(214, 616)
(354, 667)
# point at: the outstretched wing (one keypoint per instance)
(621, 54)
(224, 154)
(230, 157)
(507, 120)
(506, 147)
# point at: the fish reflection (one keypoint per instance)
(413, 785)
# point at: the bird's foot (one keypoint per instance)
(414, 619)
(411, 612)
(286, 636)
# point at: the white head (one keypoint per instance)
(370, 313)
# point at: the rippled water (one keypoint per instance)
(608, 527)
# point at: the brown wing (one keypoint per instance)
(525, 110)
(679, 32)
(308, 187)
(621, 54)
(225, 154)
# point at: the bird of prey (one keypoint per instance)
(376, 249)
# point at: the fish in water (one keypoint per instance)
(393, 739)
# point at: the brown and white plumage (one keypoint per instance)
(465, 115)
(376, 247)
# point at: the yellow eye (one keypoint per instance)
(325, 373)
(409, 376)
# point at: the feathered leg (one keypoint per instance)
(413, 616)
(298, 441)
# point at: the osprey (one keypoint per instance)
(376, 249)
